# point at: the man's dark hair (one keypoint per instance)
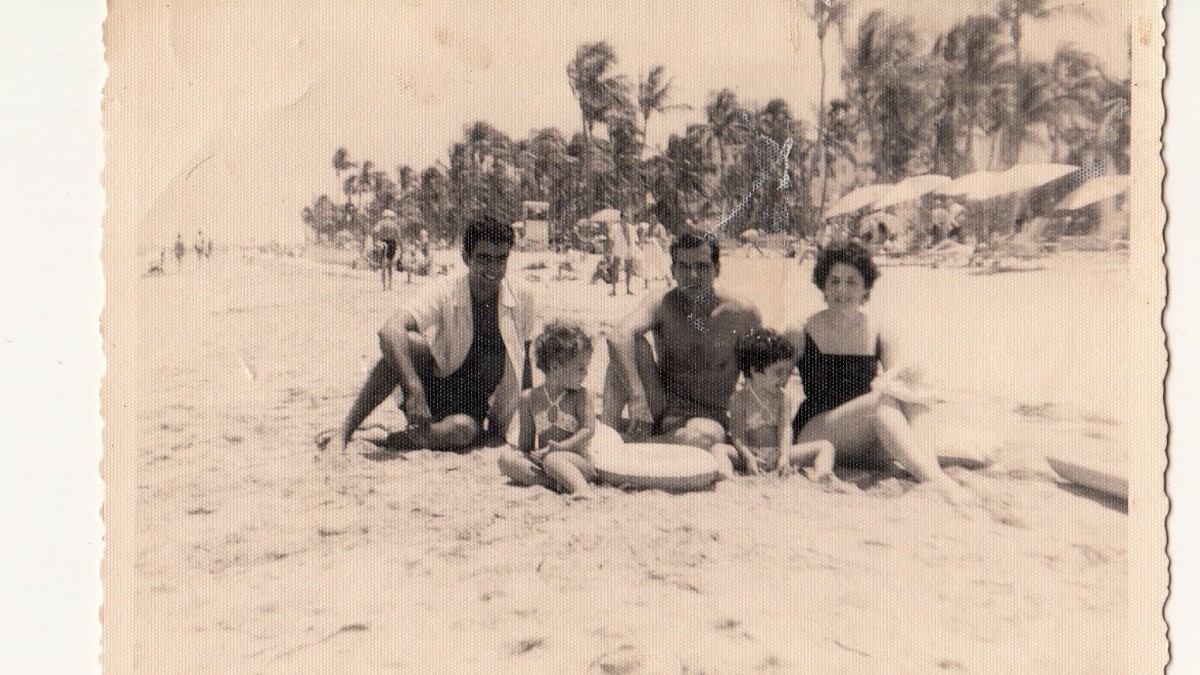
(695, 239)
(852, 254)
(486, 228)
(760, 348)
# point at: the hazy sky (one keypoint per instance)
(225, 113)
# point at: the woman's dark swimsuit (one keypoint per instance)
(829, 380)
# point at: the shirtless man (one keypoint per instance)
(681, 398)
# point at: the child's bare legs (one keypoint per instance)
(571, 472)
(820, 455)
(521, 470)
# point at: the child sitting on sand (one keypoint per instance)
(760, 415)
(557, 418)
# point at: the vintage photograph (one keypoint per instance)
(792, 336)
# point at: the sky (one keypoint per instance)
(223, 115)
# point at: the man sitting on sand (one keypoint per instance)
(681, 397)
(457, 352)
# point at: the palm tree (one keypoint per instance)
(1012, 13)
(366, 181)
(596, 89)
(406, 179)
(973, 65)
(727, 129)
(433, 201)
(546, 170)
(689, 161)
(826, 14)
(599, 92)
(341, 162)
(886, 86)
(652, 98)
(625, 143)
(777, 134)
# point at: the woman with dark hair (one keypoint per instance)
(842, 353)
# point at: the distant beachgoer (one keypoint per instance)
(158, 267)
(208, 248)
(180, 250)
(198, 246)
(841, 353)
(414, 260)
(557, 418)
(456, 351)
(656, 265)
(633, 257)
(678, 390)
(660, 234)
(616, 251)
(387, 238)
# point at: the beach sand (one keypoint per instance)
(253, 558)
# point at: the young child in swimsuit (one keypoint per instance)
(557, 418)
(760, 415)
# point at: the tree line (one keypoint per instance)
(964, 100)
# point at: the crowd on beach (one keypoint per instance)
(633, 250)
(202, 246)
(689, 366)
(391, 251)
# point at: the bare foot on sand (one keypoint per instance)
(830, 482)
(328, 442)
(376, 434)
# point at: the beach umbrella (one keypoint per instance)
(988, 184)
(750, 234)
(606, 216)
(1095, 190)
(913, 187)
(855, 200)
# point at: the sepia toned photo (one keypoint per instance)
(787, 336)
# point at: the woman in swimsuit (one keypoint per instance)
(557, 418)
(841, 353)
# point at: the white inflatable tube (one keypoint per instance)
(651, 466)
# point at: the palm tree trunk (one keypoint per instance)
(722, 188)
(822, 176)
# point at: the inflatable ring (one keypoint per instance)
(651, 466)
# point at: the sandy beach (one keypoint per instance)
(253, 558)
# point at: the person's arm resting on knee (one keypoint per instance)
(396, 348)
(624, 346)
